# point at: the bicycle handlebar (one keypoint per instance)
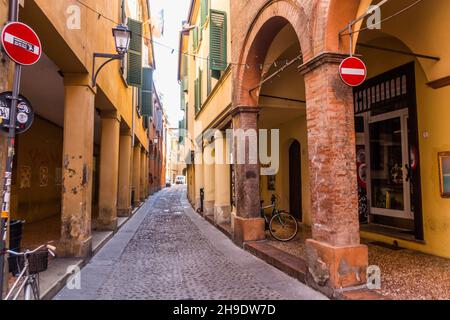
(51, 250)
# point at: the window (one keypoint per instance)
(134, 56)
(218, 41)
(195, 39)
(147, 92)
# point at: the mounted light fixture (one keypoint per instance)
(122, 36)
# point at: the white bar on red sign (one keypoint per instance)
(21, 43)
(355, 72)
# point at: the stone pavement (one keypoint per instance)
(166, 251)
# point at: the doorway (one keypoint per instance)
(295, 180)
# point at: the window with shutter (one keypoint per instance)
(200, 91)
(134, 68)
(182, 96)
(195, 38)
(197, 104)
(208, 80)
(218, 40)
(147, 92)
(204, 12)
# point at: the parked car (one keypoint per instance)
(180, 180)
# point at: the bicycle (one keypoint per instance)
(34, 262)
(281, 225)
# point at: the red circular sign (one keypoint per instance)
(353, 71)
(21, 43)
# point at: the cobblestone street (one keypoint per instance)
(166, 251)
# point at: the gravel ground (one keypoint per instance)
(406, 274)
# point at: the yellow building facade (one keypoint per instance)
(84, 162)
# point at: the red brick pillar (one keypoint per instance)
(248, 224)
(334, 255)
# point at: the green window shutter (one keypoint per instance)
(197, 104)
(195, 38)
(185, 65)
(218, 40)
(134, 76)
(185, 83)
(147, 92)
(204, 11)
(182, 96)
(200, 91)
(208, 80)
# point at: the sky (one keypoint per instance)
(166, 73)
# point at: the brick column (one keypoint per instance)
(78, 146)
(137, 174)
(222, 205)
(109, 171)
(124, 193)
(334, 255)
(248, 224)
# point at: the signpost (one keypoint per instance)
(353, 71)
(23, 46)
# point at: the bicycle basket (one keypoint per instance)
(38, 262)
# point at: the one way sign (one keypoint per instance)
(21, 43)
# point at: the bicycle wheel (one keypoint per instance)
(31, 290)
(283, 227)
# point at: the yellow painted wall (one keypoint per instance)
(290, 131)
(38, 149)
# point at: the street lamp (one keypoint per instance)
(122, 37)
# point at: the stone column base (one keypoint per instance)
(124, 213)
(335, 267)
(245, 230)
(208, 208)
(70, 248)
(107, 225)
(222, 214)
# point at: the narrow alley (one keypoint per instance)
(154, 257)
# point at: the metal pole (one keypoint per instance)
(13, 16)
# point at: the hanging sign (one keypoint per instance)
(21, 43)
(353, 71)
(25, 113)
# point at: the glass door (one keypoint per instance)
(389, 162)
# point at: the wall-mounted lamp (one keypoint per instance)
(122, 37)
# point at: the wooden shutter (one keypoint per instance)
(209, 79)
(200, 91)
(147, 92)
(204, 11)
(195, 38)
(197, 104)
(182, 96)
(218, 40)
(134, 76)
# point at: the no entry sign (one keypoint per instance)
(353, 71)
(21, 43)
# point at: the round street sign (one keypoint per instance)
(25, 113)
(353, 71)
(21, 43)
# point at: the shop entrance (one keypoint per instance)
(388, 159)
(295, 180)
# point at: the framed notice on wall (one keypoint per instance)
(444, 173)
